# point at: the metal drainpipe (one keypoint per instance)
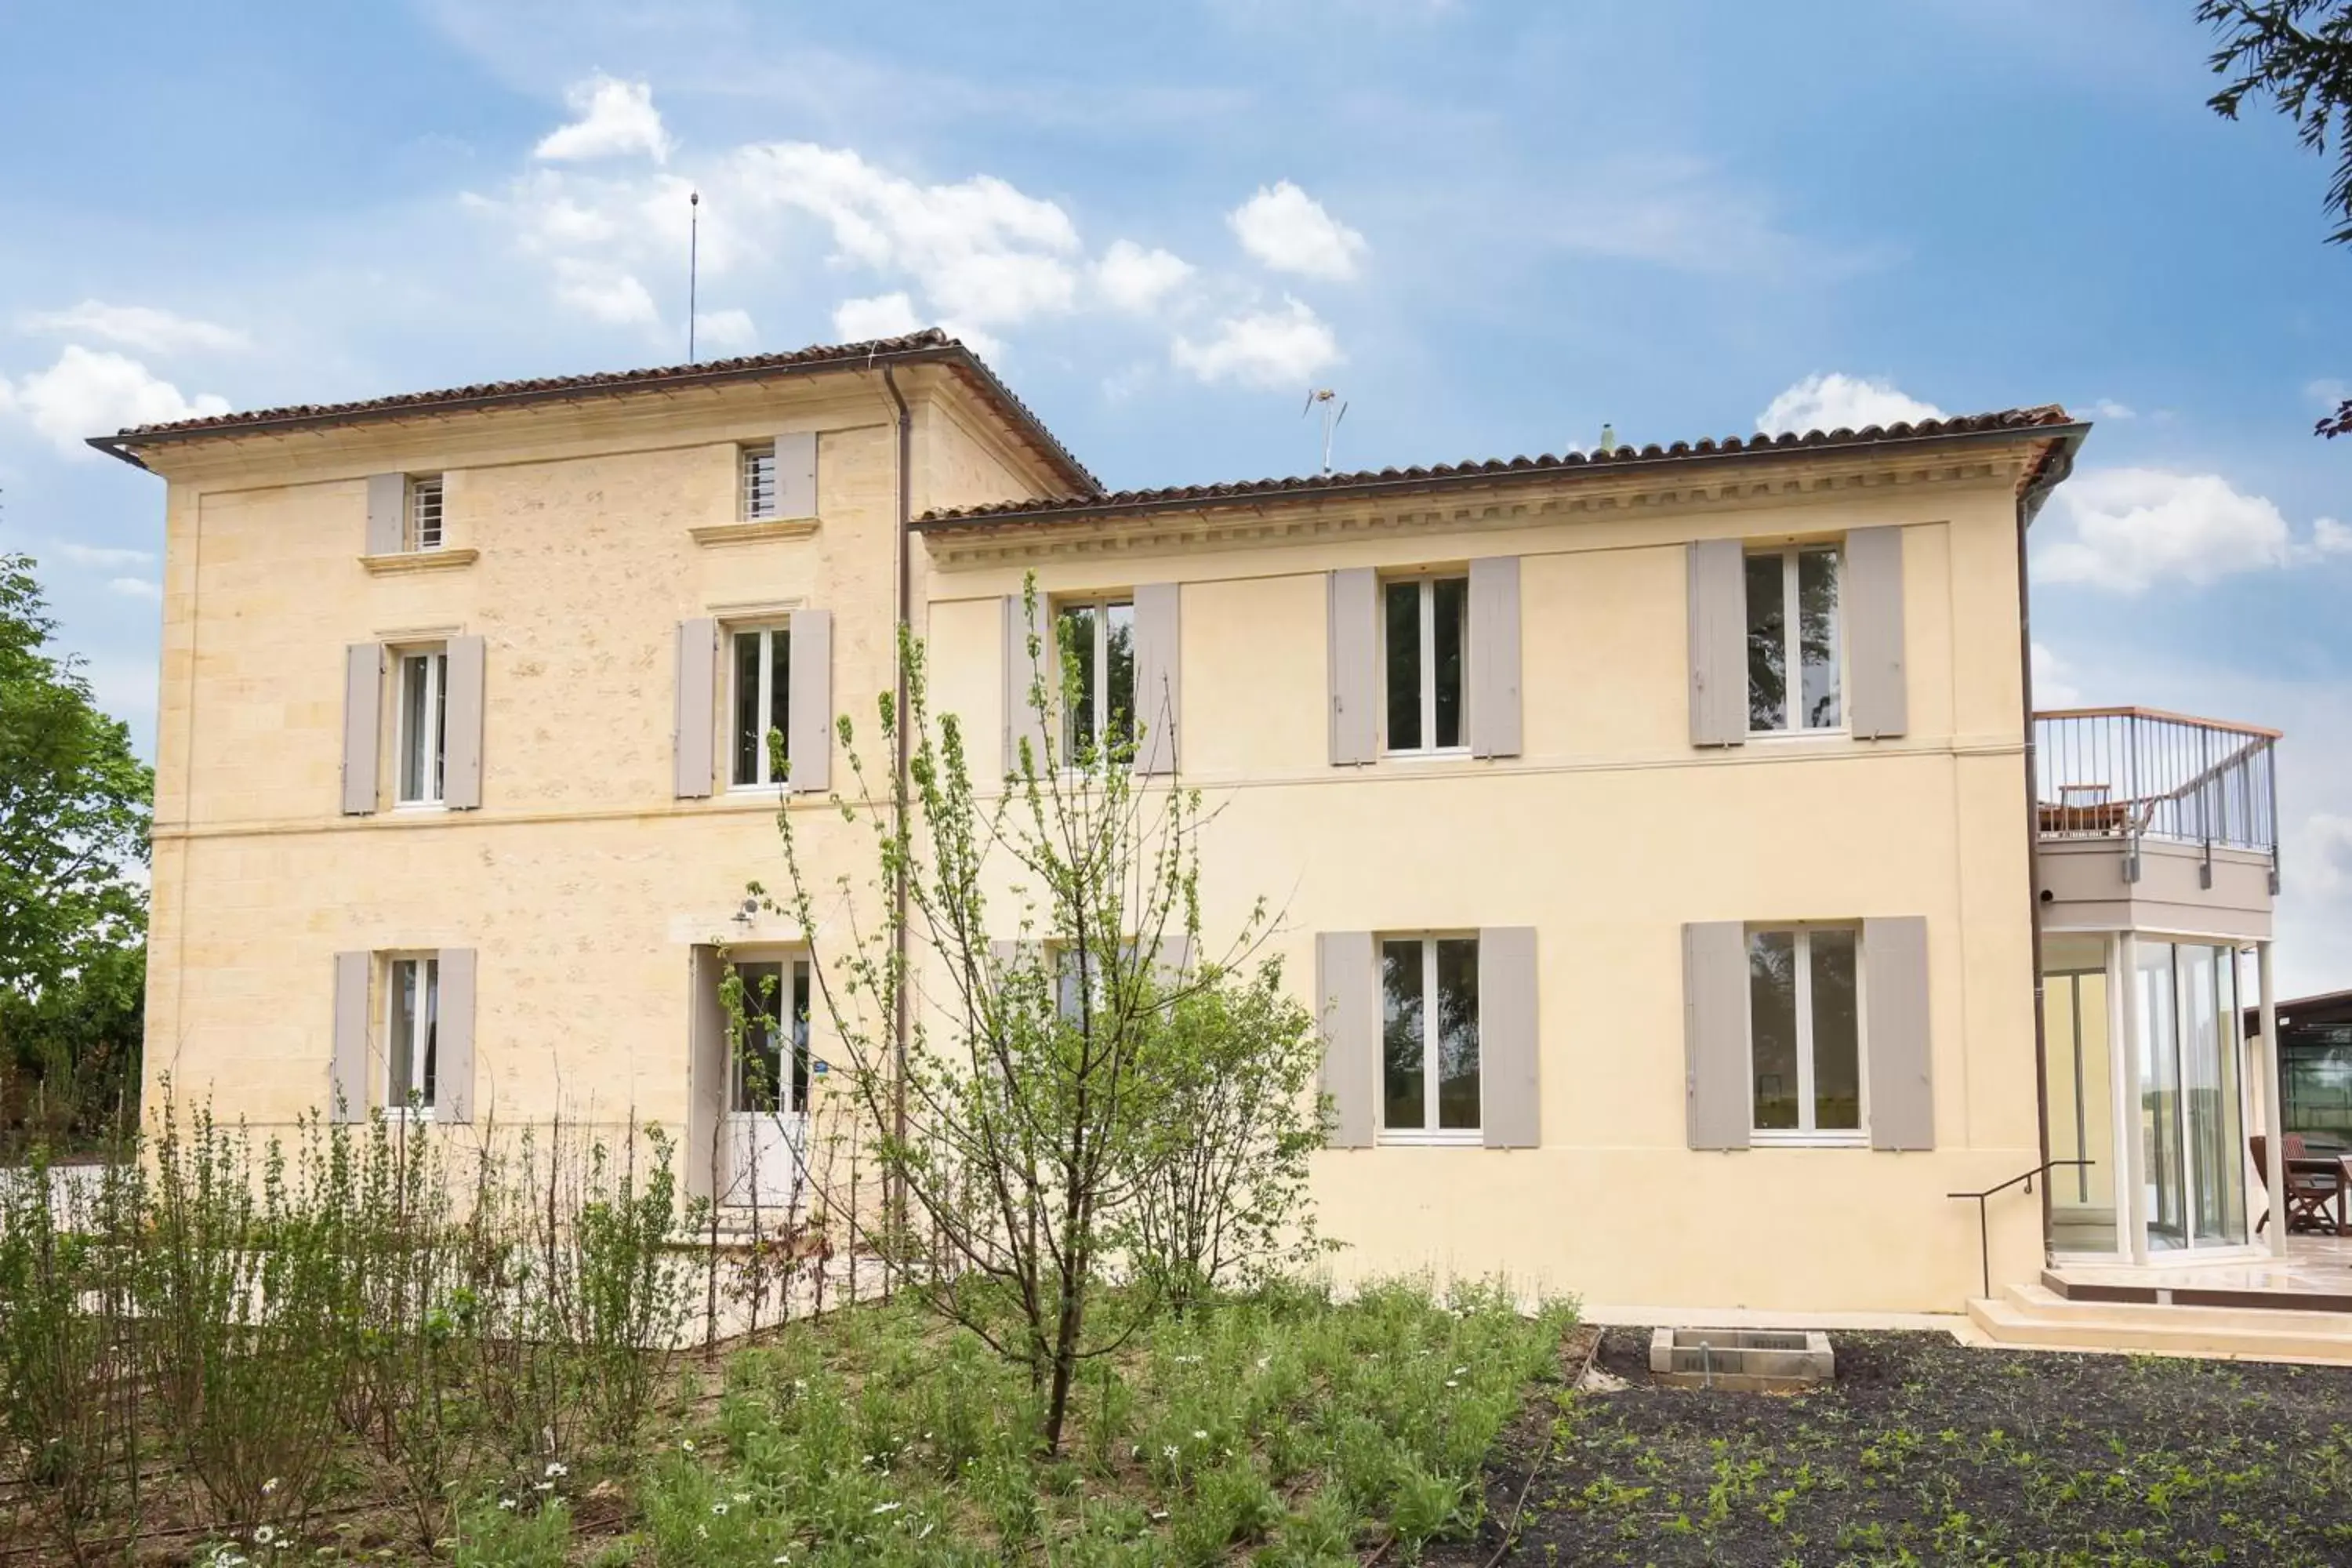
(2029, 502)
(901, 762)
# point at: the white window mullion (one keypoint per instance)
(762, 766)
(1804, 952)
(1428, 1033)
(1429, 668)
(437, 669)
(1792, 644)
(1102, 675)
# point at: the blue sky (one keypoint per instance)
(1492, 226)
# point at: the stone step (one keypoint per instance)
(2212, 1333)
(2040, 1298)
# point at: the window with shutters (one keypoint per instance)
(1428, 1039)
(760, 703)
(422, 529)
(411, 1027)
(1424, 636)
(757, 466)
(1795, 641)
(421, 725)
(1805, 1025)
(1097, 639)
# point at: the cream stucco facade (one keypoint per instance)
(581, 531)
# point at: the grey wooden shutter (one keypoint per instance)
(1173, 961)
(387, 513)
(1494, 657)
(362, 722)
(1718, 1107)
(1023, 722)
(453, 1052)
(347, 1064)
(1509, 1110)
(696, 707)
(809, 711)
(461, 771)
(796, 474)
(1157, 694)
(1354, 633)
(1877, 707)
(1718, 643)
(1901, 1086)
(1348, 1006)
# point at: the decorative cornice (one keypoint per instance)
(754, 531)
(1243, 522)
(418, 560)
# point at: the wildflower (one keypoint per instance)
(702, 1531)
(1263, 1362)
(556, 1467)
(263, 1535)
(687, 1444)
(925, 1530)
(743, 1497)
(1460, 1370)
(1199, 1435)
(542, 1486)
(718, 1508)
(507, 1503)
(886, 1508)
(1187, 1360)
(1159, 1514)
(1453, 1382)
(269, 1485)
(1169, 1451)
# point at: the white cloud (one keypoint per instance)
(606, 293)
(883, 316)
(2321, 851)
(731, 329)
(2053, 680)
(2108, 408)
(1835, 401)
(2129, 529)
(139, 326)
(1264, 348)
(615, 118)
(1287, 230)
(1135, 279)
(2329, 392)
(2329, 537)
(136, 588)
(101, 554)
(95, 392)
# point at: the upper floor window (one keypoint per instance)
(412, 1030)
(759, 480)
(1097, 639)
(1794, 639)
(421, 740)
(423, 527)
(1805, 1032)
(1425, 629)
(1428, 1039)
(763, 665)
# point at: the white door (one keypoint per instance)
(767, 1106)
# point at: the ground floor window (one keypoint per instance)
(1805, 1032)
(772, 1063)
(413, 1009)
(1428, 1039)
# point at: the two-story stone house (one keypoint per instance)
(1692, 784)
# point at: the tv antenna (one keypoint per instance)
(693, 263)
(1333, 412)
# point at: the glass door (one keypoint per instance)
(2080, 1092)
(2192, 1112)
(767, 1102)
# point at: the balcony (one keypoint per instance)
(2155, 821)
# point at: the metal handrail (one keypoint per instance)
(1984, 1225)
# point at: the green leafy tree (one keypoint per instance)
(2298, 55)
(74, 804)
(1043, 935)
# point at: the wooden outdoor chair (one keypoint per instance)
(2310, 1193)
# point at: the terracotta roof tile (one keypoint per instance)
(2048, 416)
(931, 346)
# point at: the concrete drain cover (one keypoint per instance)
(1741, 1361)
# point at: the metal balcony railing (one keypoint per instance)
(2136, 773)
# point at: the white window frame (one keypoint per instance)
(1098, 699)
(396, 1096)
(426, 492)
(793, 961)
(763, 765)
(758, 504)
(436, 699)
(1429, 1134)
(1792, 644)
(1427, 581)
(1805, 1135)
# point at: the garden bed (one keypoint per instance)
(1924, 1451)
